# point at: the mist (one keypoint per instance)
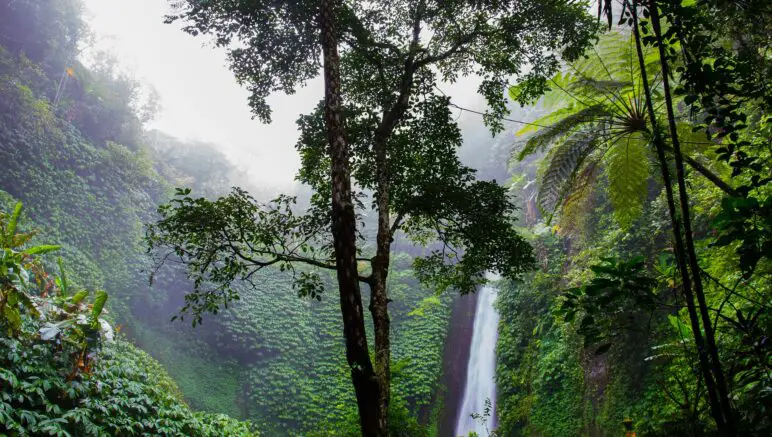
(201, 100)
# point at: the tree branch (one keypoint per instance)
(711, 177)
(363, 39)
(393, 115)
(455, 48)
(396, 224)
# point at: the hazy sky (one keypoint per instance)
(201, 99)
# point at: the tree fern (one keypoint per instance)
(577, 203)
(627, 167)
(602, 111)
(599, 98)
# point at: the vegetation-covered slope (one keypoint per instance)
(63, 373)
(73, 149)
(605, 329)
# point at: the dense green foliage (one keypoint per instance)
(125, 392)
(598, 333)
(606, 315)
(623, 352)
(275, 46)
(286, 356)
(90, 177)
(62, 371)
(241, 383)
(402, 137)
(399, 146)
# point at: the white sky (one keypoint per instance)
(199, 96)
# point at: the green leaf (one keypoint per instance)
(99, 304)
(62, 280)
(42, 249)
(27, 303)
(683, 330)
(628, 173)
(564, 161)
(79, 296)
(12, 316)
(560, 126)
(11, 230)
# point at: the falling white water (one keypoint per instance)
(481, 369)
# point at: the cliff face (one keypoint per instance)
(455, 359)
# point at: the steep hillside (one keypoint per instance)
(73, 149)
(63, 370)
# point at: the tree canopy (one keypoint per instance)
(394, 57)
(400, 137)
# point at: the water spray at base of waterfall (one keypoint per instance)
(481, 370)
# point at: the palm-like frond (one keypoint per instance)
(603, 110)
(562, 166)
(627, 167)
(575, 203)
(563, 127)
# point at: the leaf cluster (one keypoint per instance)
(598, 123)
(62, 372)
(603, 305)
(435, 198)
(234, 237)
(274, 46)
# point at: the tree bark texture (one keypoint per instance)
(379, 294)
(379, 299)
(344, 236)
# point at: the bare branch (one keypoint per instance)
(397, 223)
(457, 47)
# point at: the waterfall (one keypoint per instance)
(481, 369)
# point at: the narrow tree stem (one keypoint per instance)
(685, 213)
(709, 175)
(679, 245)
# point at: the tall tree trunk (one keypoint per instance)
(680, 252)
(380, 311)
(344, 235)
(379, 298)
(726, 406)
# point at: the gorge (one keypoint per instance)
(106, 172)
(478, 406)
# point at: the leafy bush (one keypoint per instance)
(61, 371)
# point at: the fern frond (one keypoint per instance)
(627, 167)
(564, 162)
(574, 211)
(587, 85)
(584, 179)
(547, 120)
(544, 137)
